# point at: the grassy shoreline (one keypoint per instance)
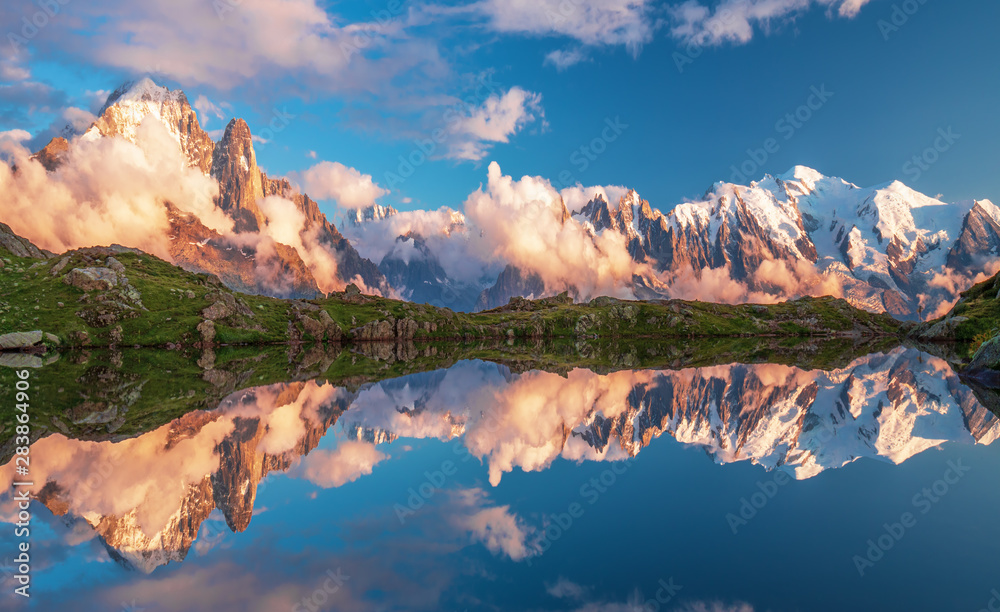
(105, 297)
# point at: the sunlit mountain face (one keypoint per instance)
(431, 479)
(168, 187)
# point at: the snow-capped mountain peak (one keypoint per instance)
(129, 105)
(804, 176)
(375, 212)
(142, 90)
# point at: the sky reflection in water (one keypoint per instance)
(474, 488)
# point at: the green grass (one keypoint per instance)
(173, 301)
(980, 306)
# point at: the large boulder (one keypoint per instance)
(207, 331)
(987, 357)
(375, 331)
(323, 329)
(942, 330)
(20, 340)
(225, 305)
(92, 279)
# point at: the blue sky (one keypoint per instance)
(894, 90)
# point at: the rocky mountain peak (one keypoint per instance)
(130, 104)
(234, 165)
(142, 90)
(52, 154)
(236, 147)
(375, 212)
(598, 212)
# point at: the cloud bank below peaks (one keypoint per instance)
(527, 224)
(107, 190)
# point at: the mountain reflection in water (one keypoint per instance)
(152, 498)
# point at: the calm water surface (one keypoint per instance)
(734, 487)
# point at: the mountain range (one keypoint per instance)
(885, 248)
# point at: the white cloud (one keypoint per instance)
(497, 119)
(208, 109)
(335, 181)
(15, 136)
(11, 71)
(591, 22)
(850, 8)
(523, 223)
(562, 59)
(735, 21)
(496, 527)
(348, 462)
(565, 589)
(456, 245)
(108, 190)
(78, 118)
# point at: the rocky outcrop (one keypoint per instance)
(987, 356)
(234, 165)
(92, 279)
(225, 305)
(51, 155)
(943, 330)
(278, 272)
(317, 324)
(18, 246)
(392, 330)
